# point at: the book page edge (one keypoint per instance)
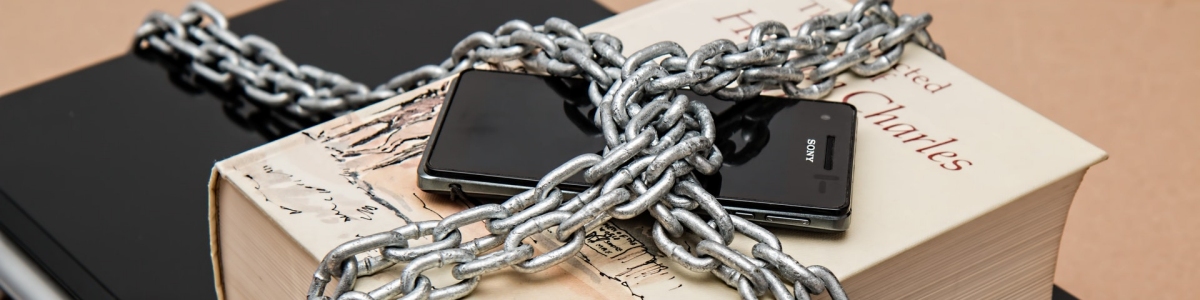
(213, 232)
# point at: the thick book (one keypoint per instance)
(960, 192)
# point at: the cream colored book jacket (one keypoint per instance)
(952, 181)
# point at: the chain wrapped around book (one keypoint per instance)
(655, 138)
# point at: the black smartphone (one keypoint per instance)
(787, 162)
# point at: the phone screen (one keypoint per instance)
(514, 128)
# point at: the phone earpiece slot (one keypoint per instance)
(829, 152)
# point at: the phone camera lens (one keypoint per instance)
(825, 117)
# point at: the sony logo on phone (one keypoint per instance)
(812, 150)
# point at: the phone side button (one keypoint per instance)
(744, 215)
(788, 220)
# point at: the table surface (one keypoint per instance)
(1118, 73)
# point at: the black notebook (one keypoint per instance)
(103, 171)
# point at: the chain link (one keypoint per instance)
(656, 139)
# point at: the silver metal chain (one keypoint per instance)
(656, 140)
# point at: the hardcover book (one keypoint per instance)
(959, 191)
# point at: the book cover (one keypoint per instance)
(937, 152)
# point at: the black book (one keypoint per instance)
(71, 148)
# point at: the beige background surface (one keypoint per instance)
(1120, 73)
